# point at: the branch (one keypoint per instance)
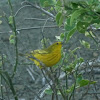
(93, 93)
(29, 28)
(30, 73)
(39, 19)
(39, 8)
(21, 9)
(39, 27)
(62, 75)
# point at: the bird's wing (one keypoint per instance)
(39, 52)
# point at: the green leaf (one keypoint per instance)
(10, 19)
(70, 89)
(0, 57)
(71, 66)
(4, 56)
(82, 26)
(59, 3)
(59, 18)
(88, 35)
(12, 41)
(51, 8)
(69, 35)
(67, 25)
(97, 8)
(62, 36)
(95, 20)
(86, 82)
(48, 91)
(46, 3)
(59, 93)
(0, 63)
(11, 37)
(80, 60)
(87, 18)
(76, 14)
(89, 2)
(85, 44)
(68, 68)
(73, 51)
(0, 22)
(74, 5)
(79, 78)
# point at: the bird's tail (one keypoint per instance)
(26, 55)
(21, 54)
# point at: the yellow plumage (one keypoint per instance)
(49, 56)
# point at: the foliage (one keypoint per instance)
(75, 16)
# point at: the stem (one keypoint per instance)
(52, 96)
(1, 86)
(42, 32)
(54, 83)
(46, 79)
(41, 9)
(73, 92)
(16, 43)
(30, 28)
(62, 94)
(10, 84)
(93, 38)
(66, 83)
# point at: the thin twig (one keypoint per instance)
(29, 28)
(39, 19)
(1, 83)
(92, 76)
(43, 30)
(30, 73)
(34, 92)
(39, 8)
(93, 38)
(16, 39)
(53, 78)
(93, 93)
(21, 9)
(66, 83)
(46, 79)
(76, 74)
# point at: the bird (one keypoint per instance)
(46, 57)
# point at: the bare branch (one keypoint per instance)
(39, 19)
(93, 93)
(30, 73)
(21, 9)
(39, 8)
(62, 75)
(29, 28)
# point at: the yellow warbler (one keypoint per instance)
(49, 56)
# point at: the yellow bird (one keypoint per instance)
(49, 56)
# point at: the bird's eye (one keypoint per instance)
(57, 43)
